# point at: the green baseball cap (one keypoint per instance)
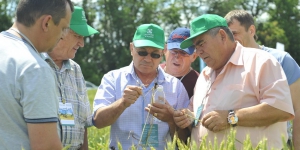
(149, 35)
(202, 24)
(79, 23)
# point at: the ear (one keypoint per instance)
(46, 22)
(131, 48)
(252, 30)
(193, 57)
(223, 35)
(165, 49)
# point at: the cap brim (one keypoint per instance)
(176, 45)
(189, 41)
(145, 43)
(83, 30)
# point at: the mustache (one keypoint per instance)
(145, 63)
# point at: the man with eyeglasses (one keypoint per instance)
(178, 61)
(70, 82)
(241, 23)
(124, 98)
(241, 88)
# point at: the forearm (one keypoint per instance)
(294, 88)
(296, 130)
(184, 134)
(261, 115)
(85, 145)
(172, 128)
(105, 116)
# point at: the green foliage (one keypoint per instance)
(116, 20)
(287, 14)
(270, 33)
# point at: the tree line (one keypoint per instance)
(116, 20)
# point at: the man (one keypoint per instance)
(242, 88)
(28, 105)
(178, 61)
(125, 95)
(71, 83)
(242, 26)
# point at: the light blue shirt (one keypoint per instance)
(128, 127)
(288, 64)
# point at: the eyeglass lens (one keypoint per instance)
(144, 53)
(177, 53)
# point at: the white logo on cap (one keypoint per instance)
(83, 16)
(149, 34)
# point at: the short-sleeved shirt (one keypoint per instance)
(249, 78)
(128, 127)
(290, 68)
(27, 91)
(72, 89)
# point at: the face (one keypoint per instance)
(240, 34)
(210, 50)
(56, 31)
(67, 46)
(178, 62)
(145, 64)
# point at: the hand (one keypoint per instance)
(131, 94)
(183, 118)
(216, 121)
(161, 111)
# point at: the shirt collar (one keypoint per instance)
(235, 59)
(66, 63)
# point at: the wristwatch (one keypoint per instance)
(232, 118)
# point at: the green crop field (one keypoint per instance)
(99, 139)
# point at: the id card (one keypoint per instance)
(66, 114)
(150, 135)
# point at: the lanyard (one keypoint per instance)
(26, 39)
(200, 108)
(146, 90)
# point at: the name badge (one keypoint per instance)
(150, 135)
(66, 114)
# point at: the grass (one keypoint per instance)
(99, 139)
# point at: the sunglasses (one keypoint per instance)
(145, 53)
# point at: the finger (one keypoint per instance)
(207, 122)
(215, 129)
(182, 123)
(135, 88)
(153, 109)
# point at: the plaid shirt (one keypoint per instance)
(71, 85)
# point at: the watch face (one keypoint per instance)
(232, 119)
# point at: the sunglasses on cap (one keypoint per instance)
(145, 53)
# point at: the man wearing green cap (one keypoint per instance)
(124, 99)
(242, 88)
(74, 108)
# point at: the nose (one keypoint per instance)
(148, 57)
(199, 50)
(176, 54)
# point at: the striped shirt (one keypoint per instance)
(72, 89)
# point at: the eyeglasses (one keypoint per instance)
(145, 53)
(179, 53)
